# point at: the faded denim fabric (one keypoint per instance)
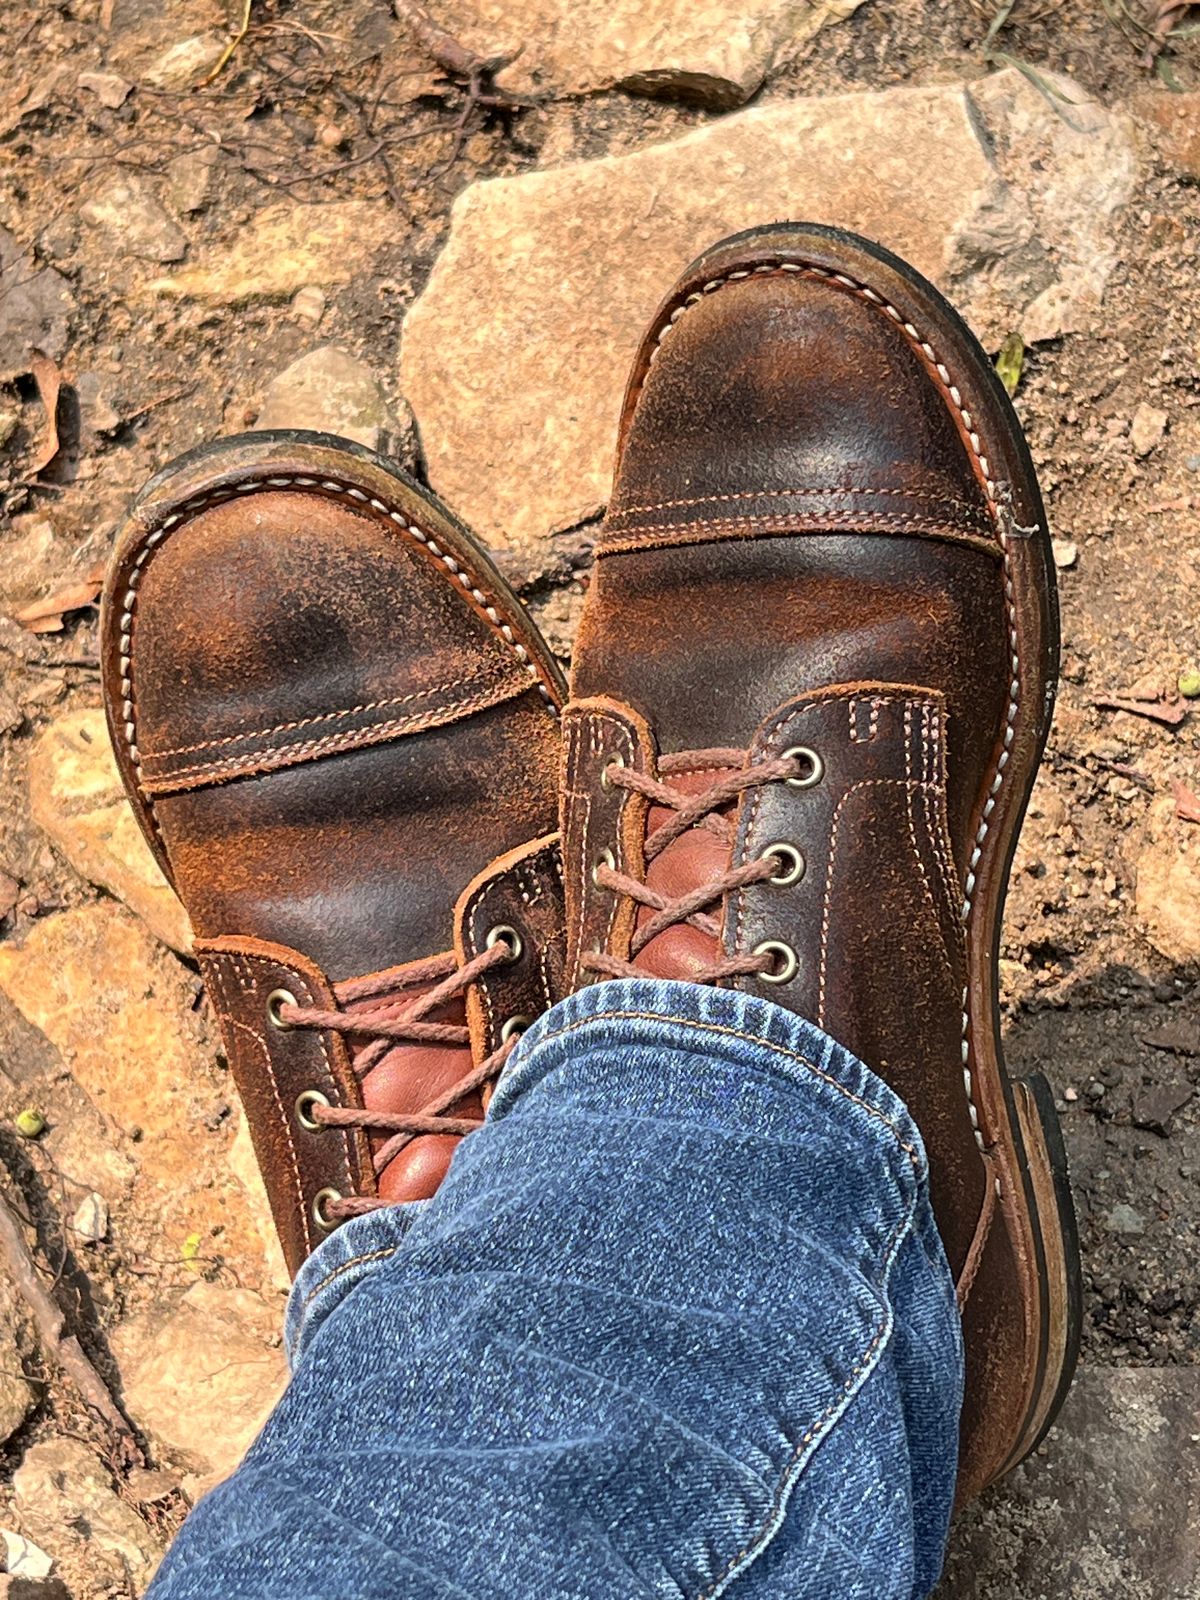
(677, 1325)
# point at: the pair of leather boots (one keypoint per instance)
(813, 680)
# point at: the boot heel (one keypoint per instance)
(1046, 1153)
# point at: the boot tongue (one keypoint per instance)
(405, 1080)
(695, 858)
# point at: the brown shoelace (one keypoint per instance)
(701, 810)
(398, 1019)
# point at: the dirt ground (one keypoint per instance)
(325, 101)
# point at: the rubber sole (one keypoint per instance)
(315, 463)
(1040, 1209)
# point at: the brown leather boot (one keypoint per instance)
(812, 684)
(338, 730)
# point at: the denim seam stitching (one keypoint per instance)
(785, 1484)
(354, 1261)
(749, 1038)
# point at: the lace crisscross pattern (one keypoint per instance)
(711, 809)
(381, 1013)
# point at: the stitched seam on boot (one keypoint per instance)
(952, 392)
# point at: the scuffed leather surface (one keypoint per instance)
(287, 608)
(800, 536)
(522, 890)
(271, 1066)
(335, 725)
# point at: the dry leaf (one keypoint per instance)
(1187, 802)
(46, 616)
(49, 381)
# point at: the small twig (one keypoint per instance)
(1124, 770)
(162, 400)
(451, 55)
(223, 60)
(476, 74)
(61, 1346)
(1170, 713)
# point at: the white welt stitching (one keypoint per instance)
(951, 389)
(324, 716)
(213, 497)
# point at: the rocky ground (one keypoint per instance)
(307, 232)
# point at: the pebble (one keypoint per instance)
(1066, 553)
(90, 1221)
(1147, 428)
(331, 391)
(1125, 1220)
(24, 1558)
(110, 89)
(308, 304)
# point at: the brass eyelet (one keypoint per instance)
(320, 1201)
(276, 1000)
(305, 1101)
(792, 862)
(515, 1027)
(816, 767)
(605, 859)
(502, 933)
(606, 782)
(789, 961)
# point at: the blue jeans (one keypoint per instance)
(678, 1324)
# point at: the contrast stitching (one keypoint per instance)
(346, 1266)
(783, 494)
(935, 805)
(917, 784)
(284, 755)
(749, 1038)
(906, 783)
(325, 716)
(244, 1027)
(333, 486)
(618, 540)
(469, 911)
(951, 390)
(782, 1488)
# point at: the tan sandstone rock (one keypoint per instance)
(281, 250)
(515, 356)
(710, 52)
(76, 797)
(1168, 883)
(201, 1380)
(122, 1013)
(65, 1496)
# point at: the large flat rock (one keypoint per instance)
(515, 356)
(76, 797)
(121, 1012)
(714, 52)
(1108, 1508)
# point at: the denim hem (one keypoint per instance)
(360, 1246)
(674, 1013)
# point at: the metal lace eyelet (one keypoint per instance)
(502, 933)
(276, 1000)
(788, 961)
(514, 1027)
(605, 859)
(791, 860)
(321, 1202)
(814, 766)
(305, 1101)
(606, 782)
